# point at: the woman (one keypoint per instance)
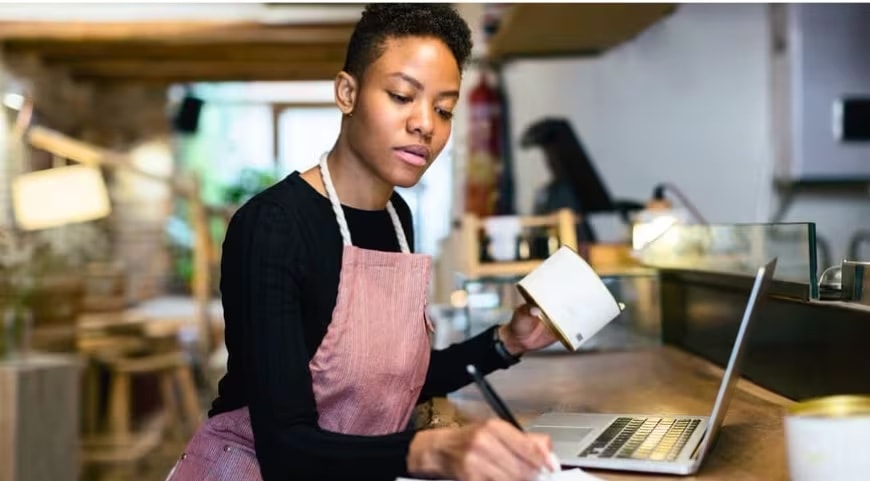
(325, 304)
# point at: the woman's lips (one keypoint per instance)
(411, 158)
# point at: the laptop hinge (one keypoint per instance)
(698, 446)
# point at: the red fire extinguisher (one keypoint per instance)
(484, 149)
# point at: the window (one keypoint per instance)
(305, 132)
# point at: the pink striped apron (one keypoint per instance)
(368, 371)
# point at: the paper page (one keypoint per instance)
(573, 474)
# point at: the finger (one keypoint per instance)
(532, 311)
(523, 324)
(524, 306)
(524, 311)
(541, 336)
(542, 441)
(490, 458)
(545, 444)
(521, 445)
(476, 467)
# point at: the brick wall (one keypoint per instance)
(120, 117)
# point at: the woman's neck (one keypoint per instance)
(357, 186)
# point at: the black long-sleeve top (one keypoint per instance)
(279, 284)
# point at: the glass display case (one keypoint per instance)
(737, 250)
(492, 300)
(727, 253)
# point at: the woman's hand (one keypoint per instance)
(526, 331)
(489, 451)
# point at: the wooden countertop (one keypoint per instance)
(661, 379)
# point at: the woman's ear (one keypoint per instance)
(345, 92)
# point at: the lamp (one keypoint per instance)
(42, 200)
(59, 196)
(91, 156)
(659, 215)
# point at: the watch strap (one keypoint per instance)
(502, 350)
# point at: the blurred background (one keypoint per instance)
(132, 131)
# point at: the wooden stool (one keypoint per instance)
(92, 349)
(178, 395)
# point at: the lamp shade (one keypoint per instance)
(650, 225)
(59, 196)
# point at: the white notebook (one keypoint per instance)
(573, 474)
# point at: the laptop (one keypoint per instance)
(651, 443)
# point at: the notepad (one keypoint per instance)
(574, 474)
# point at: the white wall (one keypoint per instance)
(684, 102)
(687, 101)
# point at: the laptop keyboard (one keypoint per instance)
(655, 439)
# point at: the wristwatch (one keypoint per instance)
(502, 350)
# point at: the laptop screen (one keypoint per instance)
(732, 373)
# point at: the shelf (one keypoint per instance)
(506, 269)
(540, 29)
(512, 270)
(607, 260)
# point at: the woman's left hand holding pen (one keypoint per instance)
(491, 450)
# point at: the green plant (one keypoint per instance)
(249, 182)
(26, 262)
(41, 272)
(17, 269)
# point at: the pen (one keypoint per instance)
(501, 408)
(491, 397)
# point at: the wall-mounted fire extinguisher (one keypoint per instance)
(484, 148)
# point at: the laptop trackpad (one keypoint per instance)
(563, 434)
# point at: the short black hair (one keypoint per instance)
(382, 21)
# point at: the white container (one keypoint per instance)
(503, 232)
(827, 439)
(573, 299)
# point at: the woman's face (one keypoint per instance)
(402, 111)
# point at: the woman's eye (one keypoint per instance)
(444, 114)
(399, 98)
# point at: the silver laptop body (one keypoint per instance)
(651, 443)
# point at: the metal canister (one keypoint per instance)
(827, 438)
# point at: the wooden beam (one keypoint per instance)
(205, 70)
(187, 32)
(540, 29)
(169, 52)
(58, 51)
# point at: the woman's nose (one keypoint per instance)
(421, 121)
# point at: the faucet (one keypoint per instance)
(858, 238)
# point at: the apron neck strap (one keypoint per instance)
(339, 212)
